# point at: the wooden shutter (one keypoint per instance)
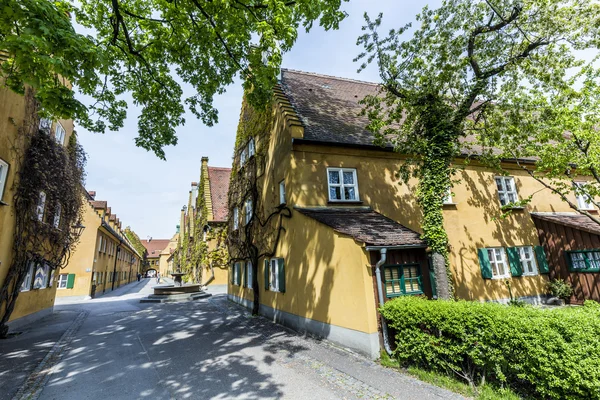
(514, 260)
(245, 275)
(540, 255)
(232, 274)
(484, 264)
(281, 275)
(432, 281)
(70, 281)
(266, 274)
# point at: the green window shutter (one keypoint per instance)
(266, 274)
(231, 275)
(281, 275)
(70, 281)
(245, 283)
(514, 260)
(540, 255)
(432, 282)
(239, 274)
(484, 263)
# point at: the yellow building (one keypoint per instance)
(204, 220)
(103, 259)
(36, 297)
(154, 248)
(342, 214)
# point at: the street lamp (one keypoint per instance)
(77, 230)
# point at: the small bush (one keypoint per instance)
(559, 288)
(546, 354)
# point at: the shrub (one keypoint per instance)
(559, 288)
(548, 354)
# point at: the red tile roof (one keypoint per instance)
(365, 225)
(219, 187)
(155, 246)
(99, 204)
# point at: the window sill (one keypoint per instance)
(591, 211)
(530, 275)
(352, 202)
(449, 205)
(504, 208)
(496, 278)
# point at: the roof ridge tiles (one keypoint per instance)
(329, 76)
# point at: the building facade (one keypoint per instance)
(155, 248)
(37, 293)
(344, 215)
(103, 260)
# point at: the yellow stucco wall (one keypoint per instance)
(471, 223)
(328, 277)
(12, 113)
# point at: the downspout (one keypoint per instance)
(382, 260)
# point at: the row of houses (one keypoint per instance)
(103, 258)
(317, 214)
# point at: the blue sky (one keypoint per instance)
(147, 193)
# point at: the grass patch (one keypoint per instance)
(485, 392)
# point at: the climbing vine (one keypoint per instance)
(43, 229)
(258, 237)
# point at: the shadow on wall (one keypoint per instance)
(175, 351)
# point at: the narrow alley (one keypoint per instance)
(115, 347)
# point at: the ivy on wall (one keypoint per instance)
(43, 165)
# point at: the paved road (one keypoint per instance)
(117, 348)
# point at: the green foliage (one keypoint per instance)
(439, 85)
(551, 354)
(560, 288)
(135, 241)
(145, 48)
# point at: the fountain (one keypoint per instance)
(177, 292)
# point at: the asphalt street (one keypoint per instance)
(114, 347)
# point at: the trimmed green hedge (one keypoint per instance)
(545, 354)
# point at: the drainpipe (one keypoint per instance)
(382, 260)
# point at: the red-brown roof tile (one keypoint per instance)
(219, 187)
(99, 204)
(572, 220)
(365, 225)
(155, 246)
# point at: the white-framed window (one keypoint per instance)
(249, 274)
(62, 280)
(41, 205)
(507, 191)
(236, 271)
(59, 133)
(57, 211)
(236, 218)
(497, 257)
(251, 148)
(528, 261)
(243, 156)
(40, 280)
(26, 285)
(274, 276)
(448, 197)
(342, 184)
(45, 125)
(282, 192)
(3, 176)
(248, 209)
(51, 280)
(583, 199)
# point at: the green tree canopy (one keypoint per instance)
(440, 85)
(145, 48)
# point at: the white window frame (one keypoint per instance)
(496, 263)
(249, 274)
(28, 281)
(45, 125)
(448, 197)
(341, 185)
(62, 283)
(248, 211)
(527, 257)
(273, 275)
(282, 191)
(236, 268)
(3, 176)
(503, 193)
(583, 200)
(46, 271)
(236, 218)
(244, 156)
(41, 206)
(251, 147)
(57, 211)
(60, 133)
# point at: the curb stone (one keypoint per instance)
(35, 382)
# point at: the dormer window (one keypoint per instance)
(342, 184)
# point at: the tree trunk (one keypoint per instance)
(441, 276)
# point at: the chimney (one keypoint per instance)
(204, 161)
(92, 194)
